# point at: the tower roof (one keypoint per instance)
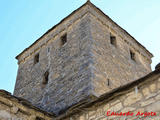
(74, 12)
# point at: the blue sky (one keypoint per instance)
(24, 21)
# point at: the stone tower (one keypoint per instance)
(84, 56)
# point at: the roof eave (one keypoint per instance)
(52, 29)
(89, 3)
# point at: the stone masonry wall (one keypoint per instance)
(142, 98)
(13, 109)
(78, 69)
(68, 66)
(113, 66)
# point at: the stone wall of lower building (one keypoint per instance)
(141, 99)
(13, 108)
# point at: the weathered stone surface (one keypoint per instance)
(99, 112)
(106, 107)
(133, 98)
(158, 85)
(113, 63)
(155, 107)
(82, 117)
(85, 64)
(13, 108)
(132, 102)
(153, 87)
(128, 109)
(147, 102)
(115, 102)
(157, 97)
(116, 107)
(145, 91)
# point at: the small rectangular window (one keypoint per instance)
(112, 40)
(36, 58)
(48, 49)
(45, 78)
(63, 39)
(108, 82)
(132, 55)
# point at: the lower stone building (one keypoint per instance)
(139, 100)
(15, 108)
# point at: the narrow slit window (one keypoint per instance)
(132, 55)
(48, 50)
(45, 78)
(36, 58)
(63, 39)
(108, 82)
(112, 40)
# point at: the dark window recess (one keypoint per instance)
(36, 58)
(45, 78)
(39, 118)
(48, 50)
(63, 39)
(108, 82)
(132, 55)
(112, 40)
